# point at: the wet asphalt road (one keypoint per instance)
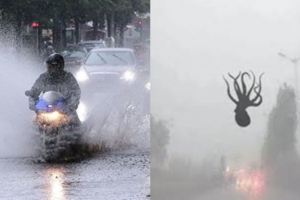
(108, 176)
(230, 193)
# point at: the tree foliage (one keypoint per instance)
(160, 136)
(280, 142)
(280, 158)
(56, 13)
(30, 10)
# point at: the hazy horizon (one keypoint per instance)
(194, 44)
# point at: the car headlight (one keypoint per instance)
(81, 75)
(128, 76)
(148, 86)
(82, 112)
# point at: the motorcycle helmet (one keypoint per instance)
(55, 63)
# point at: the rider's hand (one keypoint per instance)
(66, 110)
(32, 106)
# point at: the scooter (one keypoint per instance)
(58, 134)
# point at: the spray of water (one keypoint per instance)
(115, 122)
(118, 122)
(18, 71)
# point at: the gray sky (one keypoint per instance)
(195, 42)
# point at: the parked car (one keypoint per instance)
(90, 44)
(74, 56)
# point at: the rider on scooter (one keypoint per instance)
(57, 79)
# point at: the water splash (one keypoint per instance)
(18, 71)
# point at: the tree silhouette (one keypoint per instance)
(279, 153)
(160, 136)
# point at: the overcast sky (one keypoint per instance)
(194, 43)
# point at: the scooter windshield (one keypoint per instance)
(50, 101)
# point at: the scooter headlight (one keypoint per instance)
(51, 116)
(128, 76)
(55, 119)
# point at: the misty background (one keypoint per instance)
(194, 44)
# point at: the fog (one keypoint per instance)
(197, 42)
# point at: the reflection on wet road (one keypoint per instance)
(230, 193)
(55, 176)
(111, 176)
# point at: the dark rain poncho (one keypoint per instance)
(62, 82)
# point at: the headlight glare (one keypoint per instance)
(128, 76)
(82, 75)
(148, 86)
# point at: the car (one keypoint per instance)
(108, 69)
(90, 44)
(74, 56)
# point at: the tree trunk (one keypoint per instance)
(113, 25)
(102, 21)
(95, 28)
(109, 24)
(122, 27)
(63, 34)
(76, 30)
(57, 35)
(39, 39)
(115, 30)
(18, 32)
